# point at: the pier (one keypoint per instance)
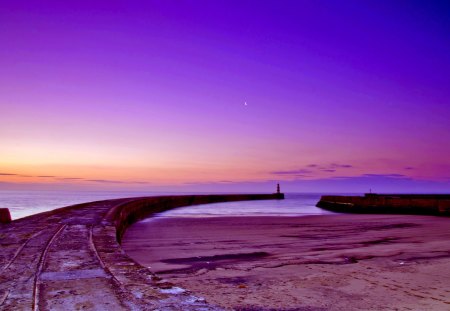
(371, 203)
(71, 259)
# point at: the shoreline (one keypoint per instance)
(316, 262)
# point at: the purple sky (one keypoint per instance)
(225, 95)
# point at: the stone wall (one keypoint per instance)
(124, 215)
(388, 204)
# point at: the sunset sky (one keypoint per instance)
(225, 95)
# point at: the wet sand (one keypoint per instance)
(332, 262)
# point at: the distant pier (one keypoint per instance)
(71, 259)
(371, 203)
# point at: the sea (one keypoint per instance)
(294, 204)
(25, 203)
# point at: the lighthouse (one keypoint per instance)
(278, 194)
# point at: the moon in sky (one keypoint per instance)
(245, 103)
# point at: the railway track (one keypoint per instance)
(35, 302)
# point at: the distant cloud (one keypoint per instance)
(408, 168)
(343, 177)
(311, 169)
(19, 175)
(68, 179)
(370, 176)
(336, 165)
(105, 181)
(77, 178)
(292, 172)
(385, 175)
(302, 175)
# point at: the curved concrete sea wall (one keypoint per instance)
(71, 259)
(122, 216)
(414, 204)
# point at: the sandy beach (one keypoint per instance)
(332, 262)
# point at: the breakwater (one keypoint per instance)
(71, 259)
(370, 203)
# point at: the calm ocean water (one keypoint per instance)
(294, 204)
(25, 203)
